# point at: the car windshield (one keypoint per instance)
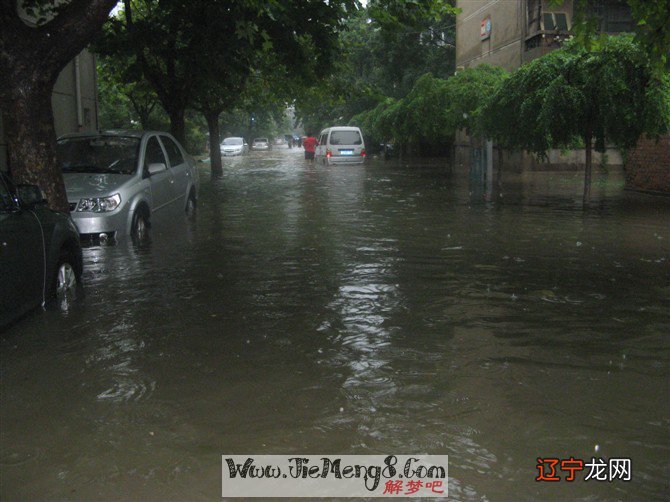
(98, 154)
(345, 138)
(261, 140)
(232, 141)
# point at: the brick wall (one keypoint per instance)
(648, 166)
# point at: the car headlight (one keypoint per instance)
(99, 204)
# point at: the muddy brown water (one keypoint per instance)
(353, 310)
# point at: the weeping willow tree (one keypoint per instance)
(578, 97)
(434, 109)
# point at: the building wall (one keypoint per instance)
(648, 166)
(69, 116)
(504, 45)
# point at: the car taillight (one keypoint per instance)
(363, 152)
(329, 154)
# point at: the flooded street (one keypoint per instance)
(355, 310)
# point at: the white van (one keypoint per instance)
(340, 145)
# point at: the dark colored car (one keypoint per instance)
(40, 253)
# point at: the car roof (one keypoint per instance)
(342, 128)
(233, 137)
(132, 133)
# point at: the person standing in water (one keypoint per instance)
(309, 144)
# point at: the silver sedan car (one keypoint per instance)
(120, 182)
(234, 146)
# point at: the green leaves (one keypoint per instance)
(395, 14)
(435, 108)
(384, 51)
(468, 91)
(609, 94)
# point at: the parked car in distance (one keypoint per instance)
(234, 146)
(120, 182)
(340, 145)
(40, 254)
(261, 144)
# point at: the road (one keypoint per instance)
(352, 310)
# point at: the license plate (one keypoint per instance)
(346, 152)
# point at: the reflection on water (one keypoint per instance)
(389, 308)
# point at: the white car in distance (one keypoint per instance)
(234, 146)
(261, 144)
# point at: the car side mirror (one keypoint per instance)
(30, 195)
(156, 168)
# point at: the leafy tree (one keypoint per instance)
(32, 54)
(652, 30)
(180, 45)
(385, 49)
(214, 93)
(574, 96)
(434, 109)
(467, 92)
(124, 103)
(244, 94)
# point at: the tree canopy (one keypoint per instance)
(574, 96)
(434, 109)
(385, 49)
(178, 46)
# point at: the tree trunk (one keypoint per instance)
(143, 110)
(588, 145)
(144, 119)
(30, 60)
(214, 149)
(31, 137)
(499, 171)
(178, 124)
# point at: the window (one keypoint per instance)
(98, 154)
(617, 19)
(555, 21)
(324, 139)
(614, 16)
(153, 153)
(173, 151)
(345, 138)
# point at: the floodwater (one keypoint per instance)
(355, 310)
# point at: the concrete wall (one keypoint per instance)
(68, 117)
(648, 166)
(503, 47)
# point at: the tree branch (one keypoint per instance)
(9, 17)
(76, 24)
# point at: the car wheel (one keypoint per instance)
(140, 227)
(65, 281)
(191, 204)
